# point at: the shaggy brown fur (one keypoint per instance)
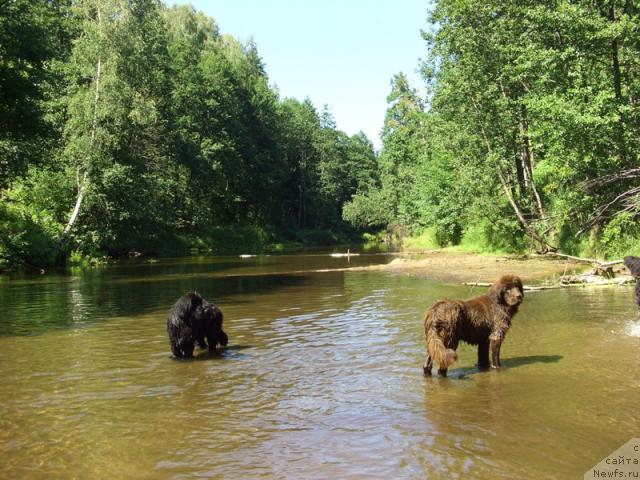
(482, 321)
(633, 264)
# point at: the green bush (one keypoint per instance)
(500, 236)
(22, 239)
(620, 237)
(427, 239)
(231, 239)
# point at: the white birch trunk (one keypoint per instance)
(82, 185)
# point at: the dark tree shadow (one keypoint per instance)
(520, 361)
(104, 298)
(507, 363)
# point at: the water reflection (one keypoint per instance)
(36, 304)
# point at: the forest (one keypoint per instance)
(133, 126)
(529, 135)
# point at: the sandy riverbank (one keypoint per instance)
(457, 267)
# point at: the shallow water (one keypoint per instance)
(322, 378)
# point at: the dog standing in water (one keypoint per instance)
(191, 320)
(482, 321)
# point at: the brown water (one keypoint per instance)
(322, 378)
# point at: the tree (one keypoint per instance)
(127, 125)
(115, 132)
(33, 36)
(404, 142)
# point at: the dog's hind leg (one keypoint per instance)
(428, 365)
(483, 355)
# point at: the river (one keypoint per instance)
(322, 377)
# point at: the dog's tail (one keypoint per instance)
(441, 355)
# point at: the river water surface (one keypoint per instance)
(322, 377)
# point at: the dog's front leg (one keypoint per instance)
(495, 341)
(175, 349)
(201, 342)
(223, 339)
(187, 347)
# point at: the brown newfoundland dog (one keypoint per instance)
(482, 321)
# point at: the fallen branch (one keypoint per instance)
(618, 281)
(525, 287)
(600, 263)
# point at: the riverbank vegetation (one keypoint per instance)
(133, 127)
(528, 137)
(129, 127)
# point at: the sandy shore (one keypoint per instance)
(456, 267)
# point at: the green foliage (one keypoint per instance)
(528, 135)
(164, 133)
(425, 240)
(22, 239)
(80, 261)
(238, 239)
(33, 38)
(502, 236)
(168, 135)
(369, 209)
(620, 237)
(252, 239)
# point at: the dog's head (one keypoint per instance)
(202, 309)
(209, 314)
(633, 264)
(508, 290)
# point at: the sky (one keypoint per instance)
(342, 53)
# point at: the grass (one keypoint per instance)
(424, 241)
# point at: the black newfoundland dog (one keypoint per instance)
(633, 264)
(482, 321)
(192, 319)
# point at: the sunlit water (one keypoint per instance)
(633, 328)
(322, 378)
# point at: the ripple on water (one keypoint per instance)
(322, 379)
(633, 328)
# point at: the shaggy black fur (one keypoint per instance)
(633, 264)
(192, 319)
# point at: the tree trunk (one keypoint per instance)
(545, 247)
(521, 171)
(615, 60)
(617, 87)
(528, 161)
(82, 184)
